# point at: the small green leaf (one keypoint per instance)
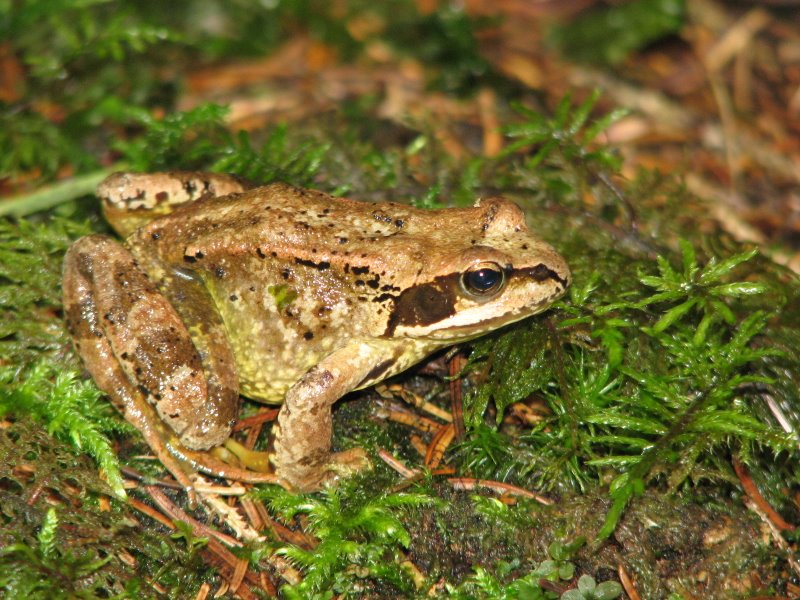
(735, 290)
(547, 569)
(689, 258)
(557, 550)
(666, 270)
(607, 590)
(581, 113)
(604, 123)
(660, 297)
(586, 585)
(566, 571)
(561, 112)
(47, 534)
(702, 329)
(627, 421)
(544, 151)
(674, 314)
(716, 270)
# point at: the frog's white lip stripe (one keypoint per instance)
(461, 327)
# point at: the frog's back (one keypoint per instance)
(280, 220)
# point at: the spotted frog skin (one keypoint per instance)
(283, 295)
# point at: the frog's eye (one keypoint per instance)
(482, 280)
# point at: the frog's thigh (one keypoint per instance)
(189, 297)
(107, 296)
(302, 450)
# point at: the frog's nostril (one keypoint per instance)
(542, 273)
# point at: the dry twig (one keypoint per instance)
(469, 483)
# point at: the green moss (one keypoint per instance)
(64, 536)
(610, 34)
(361, 539)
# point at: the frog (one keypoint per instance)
(286, 296)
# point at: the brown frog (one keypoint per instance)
(284, 295)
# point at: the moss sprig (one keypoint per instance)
(46, 570)
(72, 409)
(360, 537)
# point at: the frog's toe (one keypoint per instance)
(348, 462)
(215, 463)
(342, 465)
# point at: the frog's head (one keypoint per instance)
(487, 272)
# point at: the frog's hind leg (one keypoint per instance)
(138, 352)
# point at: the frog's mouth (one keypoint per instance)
(463, 327)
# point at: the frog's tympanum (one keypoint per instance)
(283, 295)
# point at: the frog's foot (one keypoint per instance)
(183, 463)
(312, 476)
(206, 462)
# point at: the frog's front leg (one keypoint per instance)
(140, 353)
(302, 445)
